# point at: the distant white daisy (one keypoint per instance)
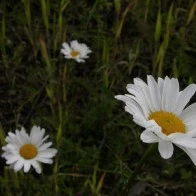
(76, 50)
(159, 107)
(23, 150)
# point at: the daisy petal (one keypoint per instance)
(188, 116)
(184, 98)
(11, 159)
(27, 165)
(45, 146)
(135, 109)
(36, 135)
(149, 137)
(66, 49)
(190, 152)
(48, 153)
(170, 94)
(146, 93)
(183, 140)
(123, 98)
(154, 93)
(45, 160)
(18, 165)
(165, 149)
(37, 167)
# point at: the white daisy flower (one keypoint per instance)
(23, 150)
(76, 50)
(159, 107)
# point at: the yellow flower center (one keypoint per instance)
(169, 122)
(28, 151)
(74, 53)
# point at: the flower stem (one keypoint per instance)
(2, 136)
(149, 151)
(65, 70)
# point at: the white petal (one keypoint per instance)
(184, 98)
(66, 47)
(75, 45)
(134, 109)
(14, 139)
(65, 52)
(188, 116)
(37, 167)
(5, 154)
(190, 152)
(11, 138)
(48, 153)
(148, 137)
(138, 119)
(11, 159)
(131, 110)
(154, 93)
(144, 93)
(122, 98)
(27, 166)
(18, 165)
(138, 81)
(45, 146)
(165, 148)
(189, 113)
(44, 160)
(160, 85)
(36, 134)
(44, 139)
(79, 60)
(152, 126)
(22, 136)
(139, 98)
(183, 140)
(68, 56)
(170, 94)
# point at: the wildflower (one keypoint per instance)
(76, 50)
(159, 107)
(23, 150)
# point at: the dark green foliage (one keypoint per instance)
(98, 143)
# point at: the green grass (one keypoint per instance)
(98, 144)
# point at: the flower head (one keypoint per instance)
(23, 150)
(159, 107)
(76, 50)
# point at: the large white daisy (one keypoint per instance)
(159, 107)
(76, 50)
(23, 150)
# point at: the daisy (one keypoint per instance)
(76, 50)
(23, 150)
(159, 107)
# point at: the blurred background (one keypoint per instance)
(98, 144)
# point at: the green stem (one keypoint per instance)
(7, 182)
(55, 172)
(148, 152)
(65, 70)
(2, 136)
